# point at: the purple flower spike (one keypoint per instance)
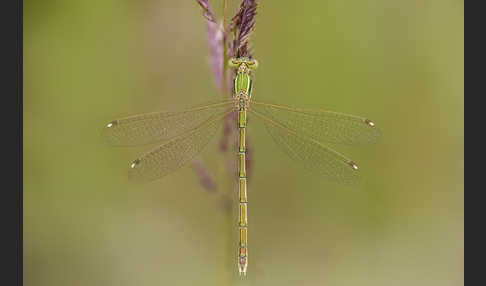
(204, 179)
(207, 11)
(215, 41)
(242, 25)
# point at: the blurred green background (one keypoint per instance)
(400, 63)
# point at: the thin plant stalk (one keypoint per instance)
(240, 27)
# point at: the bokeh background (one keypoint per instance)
(400, 63)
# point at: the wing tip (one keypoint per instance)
(137, 173)
(134, 163)
(376, 133)
(353, 165)
(106, 133)
(369, 122)
(134, 172)
(112, 124)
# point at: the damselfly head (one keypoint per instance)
(237, 62)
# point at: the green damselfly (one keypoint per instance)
(302, 133)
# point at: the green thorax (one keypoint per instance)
(243, 81)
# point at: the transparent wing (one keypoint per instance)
(154, 127)
(176, 152)
(324, 126)
(312, 154)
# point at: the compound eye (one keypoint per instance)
(234, 63)
(253, 64)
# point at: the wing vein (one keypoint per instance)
(158, 126)
(309, 152)
(176, 152)
(324, 126)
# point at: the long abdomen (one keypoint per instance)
(243, 195)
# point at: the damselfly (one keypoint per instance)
(302, 133)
